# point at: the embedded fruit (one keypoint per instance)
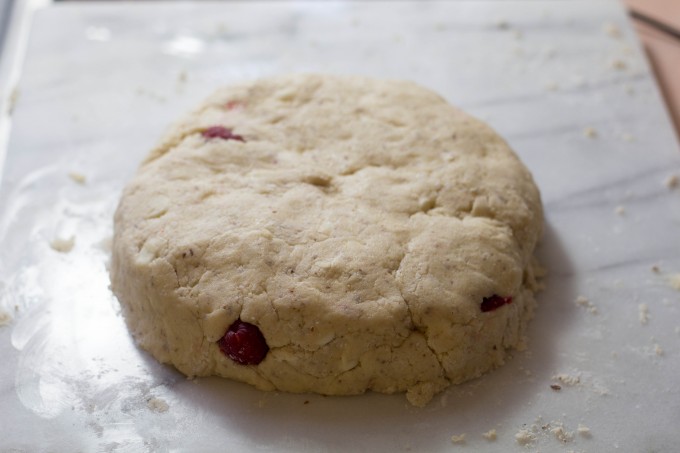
(221, 132)
(494, 302)
(244, 343)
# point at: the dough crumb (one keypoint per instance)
(63, 245)
(628, 138)
(78, 178)
(458, 439)
(656, 269)
(590, 132)
(672, 181)
(643, 313)
(568, 379)
(583, 431)
(502, 24)
(524, 437)
(157, 404)
(611, 30)
(12, 100)
(674, 281)
(618, 64)
(182, 76)
(490, 435)
(556, 387)
(658, 350)
(562, 435)
(583, 301)
(620, 210)
(5, 318)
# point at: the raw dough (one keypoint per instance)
(359, 224)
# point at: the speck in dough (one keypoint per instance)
(350, 234)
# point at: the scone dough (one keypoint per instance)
(358, 223)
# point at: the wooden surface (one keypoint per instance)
(657, 23)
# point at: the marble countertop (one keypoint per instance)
(565, 82)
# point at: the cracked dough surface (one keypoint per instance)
(359, 226)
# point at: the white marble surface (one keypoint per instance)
(102, 81)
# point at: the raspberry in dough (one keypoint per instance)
(329, 234)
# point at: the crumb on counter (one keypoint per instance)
(5, 318)
(561, 434)
(502, 24)
(568, 379)
(658, 350)
(490, 435)
(157, 404)
(590, 132)
(584, 302)
(618, 64)
(12, 100)
(525, 437)
(620, 210)
(643, 313)
(672, 182)
(611, 30)
(458, 438)
(674, 281)
(62, 245)
(77, 177)
(583, 431)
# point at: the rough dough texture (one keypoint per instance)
(359, 225)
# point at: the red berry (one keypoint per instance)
(234, 105)
(244, 343)
(494, 302)
(221, 132)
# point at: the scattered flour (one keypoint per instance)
(63, 245)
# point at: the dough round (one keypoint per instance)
(379, 239)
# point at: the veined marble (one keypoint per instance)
(565, 82)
